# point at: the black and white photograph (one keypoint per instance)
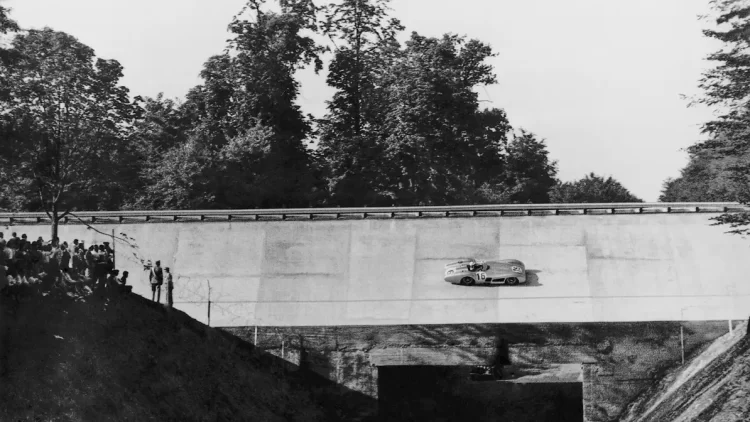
(374, 210)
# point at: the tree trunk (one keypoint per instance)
(54, 221)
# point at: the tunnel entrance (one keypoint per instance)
(448, 393)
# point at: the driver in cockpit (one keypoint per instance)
(473, 266)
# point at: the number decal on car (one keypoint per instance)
(515, 269)
(481, 276)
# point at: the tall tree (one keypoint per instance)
(529, 172)
(63, 120)
(592, 189)
(365, 43)
(246, 141)
(436, 141)
(726, 89)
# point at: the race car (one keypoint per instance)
(468, 272)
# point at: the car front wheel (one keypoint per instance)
(467, 281)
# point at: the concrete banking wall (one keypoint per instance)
(380, 272)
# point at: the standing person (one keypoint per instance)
(156, 277)
(3, 242)
(14, 242)
(170, 286)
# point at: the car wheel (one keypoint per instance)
(467, 281)
(512, 281)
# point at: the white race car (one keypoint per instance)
(468, 272)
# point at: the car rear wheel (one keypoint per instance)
(467, 281)
(512, 281)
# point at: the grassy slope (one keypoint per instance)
(131, 360)
(713, 386)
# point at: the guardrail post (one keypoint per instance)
(528, 212)
(203, 217)
(669, 209)
(39, 219)
(229, 217)
(10, 221)
(697, 209)
(148, 218)
(585, 211)
(419, 213)
(474, 213)
(612, 211)
(640, 210)
(557, 211)
(120, 219)
(174, 218)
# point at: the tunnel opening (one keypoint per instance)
(450, 393)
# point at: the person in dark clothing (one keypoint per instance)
(156, 277)
(170, 286)
(14, 242)
(3, 242)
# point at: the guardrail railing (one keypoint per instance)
(377, 212)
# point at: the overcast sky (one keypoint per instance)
(599, 80)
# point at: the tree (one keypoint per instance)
(366, 46)
(245, 136)
(63, 123)
(591, 189)
(438, 145)
(726, 88)
(708, 177)
(529, 173)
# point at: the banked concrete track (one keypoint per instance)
(320, 270)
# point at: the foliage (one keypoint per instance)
(63, 122)
(719, 166)
(246, 146)
(592, 189)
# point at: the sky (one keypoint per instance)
(601, 81)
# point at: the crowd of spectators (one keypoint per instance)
(41, 266)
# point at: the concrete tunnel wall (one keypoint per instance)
(641, 267)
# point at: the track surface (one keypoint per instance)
(587, 268)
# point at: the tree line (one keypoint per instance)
(404, 126)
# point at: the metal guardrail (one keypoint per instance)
(382, 212)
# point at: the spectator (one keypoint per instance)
(65, 259)
(112, 285)
(170, 286)
(124, 279)
(14, 241)
(3, 242)
(156, 277)
(24, 242)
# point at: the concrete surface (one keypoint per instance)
(654, 267)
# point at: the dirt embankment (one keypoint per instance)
(128, 359)
(713, 386)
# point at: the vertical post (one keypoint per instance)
(209, 302)
(731, 329)
(256, 336)
(682, 343)
(114, 255)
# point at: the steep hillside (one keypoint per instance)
(713, 386)
(128, 359)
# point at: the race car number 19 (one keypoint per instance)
(481, 276)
